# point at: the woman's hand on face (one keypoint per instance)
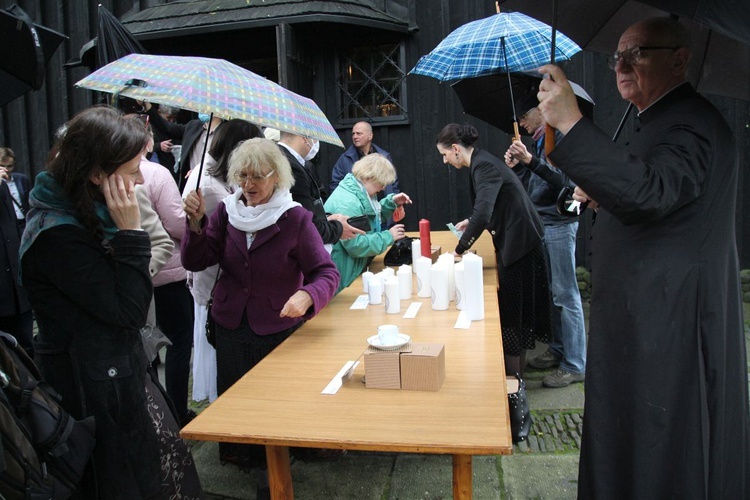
(397, 231)
(194, 206)
(121, 202)
(297, 305)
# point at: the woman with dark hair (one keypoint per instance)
(214, 188)
(501, 205)
(85, 264)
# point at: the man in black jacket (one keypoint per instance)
(15, 309)
(666, 376)
(306, 191)
(193, 136)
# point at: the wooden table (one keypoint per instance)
(279, 402)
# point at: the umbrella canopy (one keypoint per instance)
(214, 86)
(113, 40)
(489, 97)
(720, 31)
(24, 52)
(505, 41)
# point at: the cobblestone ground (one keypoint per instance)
(553, 432)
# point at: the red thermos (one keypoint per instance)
(424, 238)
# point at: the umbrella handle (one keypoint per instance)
(516, 134)
(549, 140)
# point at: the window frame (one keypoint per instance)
(342, 92)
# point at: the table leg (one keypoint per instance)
(462, 477)
(279, 472)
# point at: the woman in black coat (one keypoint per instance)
(84, 260)
(501, 205)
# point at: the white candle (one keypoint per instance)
(449, 261)
(366, 277)
(388, 272)
(404, 281)
(392, 296)
(458, 274)
(423, 276)
(439, 286)
(416, 252)
(474, 286)
(375, 290)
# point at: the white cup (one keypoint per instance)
(388, 334)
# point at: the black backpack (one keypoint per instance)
(43, 450)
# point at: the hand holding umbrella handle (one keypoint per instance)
(567, 206)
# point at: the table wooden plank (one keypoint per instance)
(279, 402)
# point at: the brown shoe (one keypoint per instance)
(562, 378)
(547, 359)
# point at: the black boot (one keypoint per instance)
(520, 418)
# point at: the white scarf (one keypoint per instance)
(251, 219)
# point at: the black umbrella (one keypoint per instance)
(112, 41)
(489, 97)
(720, 30)
(25, 49)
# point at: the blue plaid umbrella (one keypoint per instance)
(506, 42)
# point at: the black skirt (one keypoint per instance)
(237, 351)
(524, 299)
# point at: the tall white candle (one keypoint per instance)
(388, 272)
(404, 281)
(375, 290)
(392, 296)
(416, 252)
(366, 277)
(423, 276)
(474, 285)
(449, 261)
(458, 274)
(439, 286)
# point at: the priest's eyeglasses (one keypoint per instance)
(633, 55)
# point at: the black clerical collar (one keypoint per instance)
(677, 94)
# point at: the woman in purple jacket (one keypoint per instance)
(275, 272)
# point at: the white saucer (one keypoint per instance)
(403, 339)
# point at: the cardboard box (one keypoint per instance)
(383, 368)
(423, 369)
(434, 252)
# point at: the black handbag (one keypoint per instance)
(210, 323)
(520, 417)
(399, 253)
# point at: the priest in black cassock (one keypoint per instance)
(666, 412)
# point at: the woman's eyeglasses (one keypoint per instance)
(255, 179)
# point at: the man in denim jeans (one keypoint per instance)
(543, 182)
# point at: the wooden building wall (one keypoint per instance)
(440, 193)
